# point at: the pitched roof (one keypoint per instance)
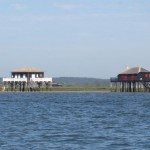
(134, 70)
(28, 69)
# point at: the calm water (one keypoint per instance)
(74, 121)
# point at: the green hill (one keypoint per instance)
(81, 81)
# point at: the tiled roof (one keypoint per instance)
(28, 69)
(134, 70)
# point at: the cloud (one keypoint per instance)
(65, 6)
(18, 6)
(96, 15)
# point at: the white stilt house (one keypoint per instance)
(27, 77)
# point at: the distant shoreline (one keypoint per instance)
(55, 92)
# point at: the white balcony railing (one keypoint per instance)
(25, 79)
(41, 79)
(14, 79)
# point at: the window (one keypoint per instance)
(132, 77)
(124, 77)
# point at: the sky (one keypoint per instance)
(74, 38)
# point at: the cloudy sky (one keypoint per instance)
(79, 38)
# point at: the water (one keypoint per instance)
(74, 121)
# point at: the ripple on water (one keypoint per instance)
(77, 120)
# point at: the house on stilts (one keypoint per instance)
(30, 79)
(134, 79)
